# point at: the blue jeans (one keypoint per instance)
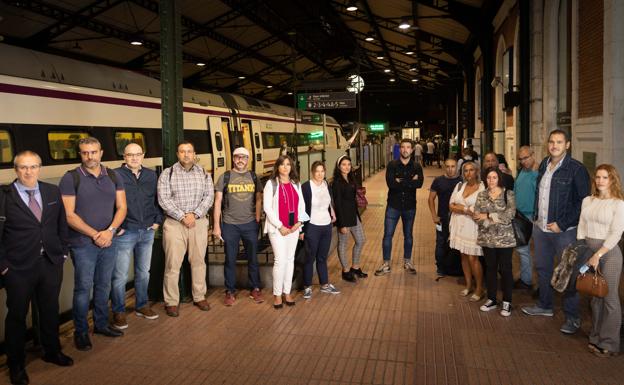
(547, 246)
(317, 242)
(526, 264)
(138, 243)
(390, 223)
(93, 268)
(232, 235)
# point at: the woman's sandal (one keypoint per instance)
(604, 353)
(464, 293)
(476, 297)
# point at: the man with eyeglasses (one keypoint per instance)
(238, 205)
(185, 193)
(33, 249)
(136, 236)
(524, 190)
(95, 204)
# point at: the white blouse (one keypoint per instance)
(321, 201)
(601, 219)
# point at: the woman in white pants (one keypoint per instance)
(285, 213)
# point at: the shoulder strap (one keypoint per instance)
(76, 177)
(506, 191)
(226, 180)
(274, 184)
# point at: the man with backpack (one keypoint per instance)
(403, 176)
(237, 209)
(95, 204)
(185, 193)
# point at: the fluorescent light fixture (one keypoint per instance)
(404, 24)
(200, 64)
(351, 6)
(387, 70)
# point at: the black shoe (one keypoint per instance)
(109, 332)
(290, 303)
(18, 376)
(82, 342)
(278, 305)
(358, 272)
(59, 359)
(348, 276)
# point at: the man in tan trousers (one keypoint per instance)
(185, 193)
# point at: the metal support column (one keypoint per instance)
(487, 51)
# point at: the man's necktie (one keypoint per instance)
(33, 205)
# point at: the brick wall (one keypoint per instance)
(590, 57)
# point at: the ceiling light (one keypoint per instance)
(136, 42)
(387, 70)
(392, 80)
(413, 69)
(241, 77)
(409, 50)
(351, 6)
(369, 37)
(380, 55)
(414, 80)
(200, 64)
(404, 24)
(290, 93)
(269, 86)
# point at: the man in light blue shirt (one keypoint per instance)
(524, 190)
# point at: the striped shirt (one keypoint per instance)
(181, 191)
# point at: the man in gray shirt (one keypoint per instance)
(238, 204)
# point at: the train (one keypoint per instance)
(48, 102)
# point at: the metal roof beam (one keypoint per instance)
(373, 21)
(462, 13)
(188, 36)
(46, 35)
(212, 34)
(258, 75)
(260, 13)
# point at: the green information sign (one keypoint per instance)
(377, 126)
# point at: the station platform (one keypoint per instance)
(395, 329)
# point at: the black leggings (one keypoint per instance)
(498, 259)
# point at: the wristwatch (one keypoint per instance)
(112, 229)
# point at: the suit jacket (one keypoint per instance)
(24, 235)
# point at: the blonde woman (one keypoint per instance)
(601, 226)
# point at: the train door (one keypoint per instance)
(225, 133)
(245, 130)
(219, 163)
(258, 163)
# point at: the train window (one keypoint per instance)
(315, 138)
(63, 145)
(269, 140)
(124, 138)
(6, 147)
(200, 140)
(219, 141)
(302, 139)
(257, 140)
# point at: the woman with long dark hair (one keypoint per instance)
(347, 219)
(318, 231)
(601, 226)
(285, 213)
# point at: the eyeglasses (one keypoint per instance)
(137, 155)
(524, 158)
(31, 168)
(86, 153)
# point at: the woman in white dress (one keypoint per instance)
(464, 230)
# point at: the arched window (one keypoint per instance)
(564, 66)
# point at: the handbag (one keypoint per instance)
(360, 197)
(592, 284)
(523, 229)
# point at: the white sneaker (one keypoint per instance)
(506, 312)
(307, 293)
(488, 305)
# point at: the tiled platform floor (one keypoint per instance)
(396, 329)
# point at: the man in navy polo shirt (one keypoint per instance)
(95, 204)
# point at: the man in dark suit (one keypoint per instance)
(32, 252)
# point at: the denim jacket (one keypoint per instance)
(570, 184)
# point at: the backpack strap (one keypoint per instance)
(226, 181)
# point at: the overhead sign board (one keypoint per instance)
(326, 101)
(379, 126)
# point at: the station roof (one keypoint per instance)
(249, 46)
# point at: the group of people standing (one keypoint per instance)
(564, 206)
